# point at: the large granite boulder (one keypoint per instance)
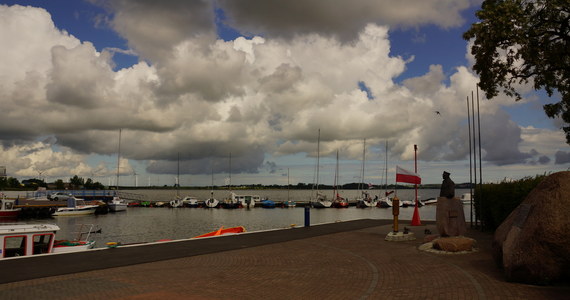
(533, 244)
(449, 217)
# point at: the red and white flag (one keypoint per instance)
(403, 175)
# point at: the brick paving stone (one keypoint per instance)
(355, 264)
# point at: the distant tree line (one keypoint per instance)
(75, 182)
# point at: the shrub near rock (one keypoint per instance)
(533, 244)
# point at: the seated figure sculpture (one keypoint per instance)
(450, 218)
(447, 186)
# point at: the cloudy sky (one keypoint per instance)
(189, 82)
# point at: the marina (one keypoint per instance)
(149, 224)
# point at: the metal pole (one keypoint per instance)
(474, 152)
(118, 160)
(416, 170)
(470, 165)
(480, 158)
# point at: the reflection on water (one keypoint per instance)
(140, 224)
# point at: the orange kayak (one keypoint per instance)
(222, 231)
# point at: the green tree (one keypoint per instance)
(76, 181)
(59, 184)
(13, 182)
(522, 41)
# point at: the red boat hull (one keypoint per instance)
(222, 231)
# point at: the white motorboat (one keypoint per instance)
(117, 204)
(466, 198)
(73, 209)
(21, 240)
(246, 201)
(7, 209)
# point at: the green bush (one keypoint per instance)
(494, 202)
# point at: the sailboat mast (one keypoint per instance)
(361, 185)
(318, 157)
(288, 184)
(335, 176)
(118, 158)
(178, 176)
(386, 170)
(230, 173)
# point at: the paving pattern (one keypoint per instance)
(355, 264)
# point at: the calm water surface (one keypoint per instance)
(142, 224)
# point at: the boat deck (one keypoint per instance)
(344, 260)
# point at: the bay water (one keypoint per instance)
(149, 224)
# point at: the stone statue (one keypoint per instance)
(447, 187)
(449, 215)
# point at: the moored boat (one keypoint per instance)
(247, 201)
(117, 204)
(7, 208)
(212, 203)
(466, 198)
(190, 201)
(266, 203)
(222, 231)
(20, 240)
(73, 209)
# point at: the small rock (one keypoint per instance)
(454, 244)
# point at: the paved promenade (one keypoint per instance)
(348, 260)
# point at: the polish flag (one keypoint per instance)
(403, 175)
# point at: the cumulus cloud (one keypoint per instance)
(202, 98)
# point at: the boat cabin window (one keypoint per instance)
(42, 243)
(9, 205)
(14, 246)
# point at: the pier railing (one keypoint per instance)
(87, 194)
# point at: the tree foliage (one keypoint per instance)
(522, 41)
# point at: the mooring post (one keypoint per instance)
(395, 211)
(307, 216)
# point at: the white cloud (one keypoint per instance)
(204, 98)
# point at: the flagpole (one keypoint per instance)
(416, 170)
(416, 217)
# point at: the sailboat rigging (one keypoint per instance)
(212, 202)
(321, 200)
(338, 201)
(117, 203)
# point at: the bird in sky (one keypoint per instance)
(437, 113)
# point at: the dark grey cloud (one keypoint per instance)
(340, 19)
(152, 28)
(561, 157)
(242, 162)
(500, 138)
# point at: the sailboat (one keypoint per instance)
(320, 199)
(338, 201)
(177, 202)
(363, 200)
(385, 201)
(231, 201)
(117, 203)
(288, 202)
(212, 202)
